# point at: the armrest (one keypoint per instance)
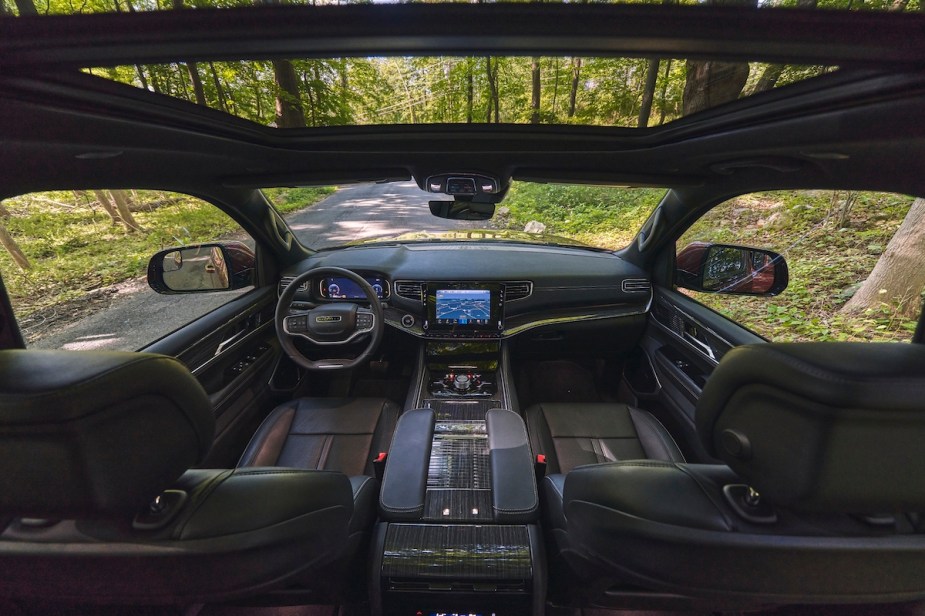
(513, 482)
(405, 480)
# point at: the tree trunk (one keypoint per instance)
(535, 98)
(573, 95)
(662, 99)
(494, 92)
(768, 78)
(107, 205)
(26, 7)
(709, 83)
(289, 112)
(193, 70)
(219, 91)
(469, 91)
(7, 241)
(648, 93)
(493, 101)
(125, 214)
(899, 276)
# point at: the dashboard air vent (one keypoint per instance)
(517, 290)
(636, 285)
(409, 290)
(285, 281)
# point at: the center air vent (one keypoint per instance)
(409, 289)
(285, 281)
(636, 285)
(517, 290)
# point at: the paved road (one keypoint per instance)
(137, 315)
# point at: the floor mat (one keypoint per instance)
(394, 389)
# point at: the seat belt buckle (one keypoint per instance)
(379, 465)
(539, 467)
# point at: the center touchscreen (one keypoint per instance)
(464, 309)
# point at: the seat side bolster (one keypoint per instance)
(227, 507)
(267, 444)
(655, 439)
(657, 491)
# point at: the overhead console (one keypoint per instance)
(463, 310)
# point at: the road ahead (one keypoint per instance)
(137, 315)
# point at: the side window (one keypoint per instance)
(856, 262)
(75, 264)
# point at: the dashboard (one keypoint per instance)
(452, 290)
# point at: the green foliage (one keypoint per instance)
(603, 216)
(826, 262)
(74, 247)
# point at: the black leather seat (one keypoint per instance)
(828, 434)
(88, 440)
(575, 434)
(337, 434)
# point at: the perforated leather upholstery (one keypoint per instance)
(571, 435)
(576, 434)
(337, 434)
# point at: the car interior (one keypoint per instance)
(463, 427)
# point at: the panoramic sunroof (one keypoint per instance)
(624, 92)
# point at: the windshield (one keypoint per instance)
(605, 217)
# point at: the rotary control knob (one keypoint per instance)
(462, 382)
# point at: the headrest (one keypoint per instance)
(95, 433)
(832, 426)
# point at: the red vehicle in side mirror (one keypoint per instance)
(735, 270)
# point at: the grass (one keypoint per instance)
(74, 248)
(827, 262)
(602, 216)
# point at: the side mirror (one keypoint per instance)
(201, 268)
(462, 210)
(733, 270)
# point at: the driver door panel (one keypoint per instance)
(234, 352)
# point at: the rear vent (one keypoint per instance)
(636, 285)
(285, 281)
(409, 290)
(517, 290)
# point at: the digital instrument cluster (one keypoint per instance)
(337, 287)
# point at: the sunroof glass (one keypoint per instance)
(625, 92)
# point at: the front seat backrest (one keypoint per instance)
(89, 439)
(832, 427)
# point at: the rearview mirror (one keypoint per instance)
(733, 270)
(202, 267)
(462, 210)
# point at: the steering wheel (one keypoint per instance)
(331, 324)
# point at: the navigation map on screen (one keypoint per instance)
(463, 306)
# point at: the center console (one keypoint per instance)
(459, 500)
(460, 506)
